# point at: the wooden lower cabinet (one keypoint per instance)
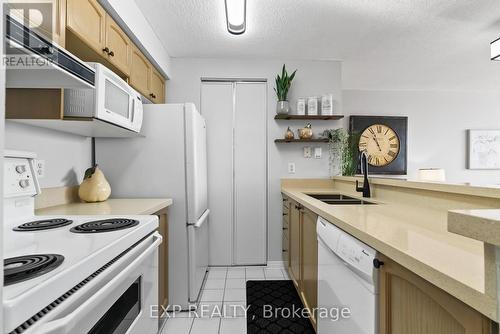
(286, 231)
(309, 265)
(409, 304)
(303, 255)
(163, 262)
(294, 246)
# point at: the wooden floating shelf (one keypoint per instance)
(309, 117)
(314, 140)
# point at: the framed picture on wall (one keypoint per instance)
(484, 149)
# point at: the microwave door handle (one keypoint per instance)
(66, 324)
(133, 111)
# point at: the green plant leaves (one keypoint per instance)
(283, 84)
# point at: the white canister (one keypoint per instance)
(301, 106)
(312, 105)
(327, 104)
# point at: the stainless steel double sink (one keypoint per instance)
(339, 199)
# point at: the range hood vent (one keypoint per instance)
(34, 62)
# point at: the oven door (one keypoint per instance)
(125, 304)
(114, 99)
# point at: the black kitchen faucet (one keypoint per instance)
(364, 169)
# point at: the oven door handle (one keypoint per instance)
(66, 324)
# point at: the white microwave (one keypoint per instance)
(112, 100)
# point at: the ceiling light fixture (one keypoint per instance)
(236, 11)
(495, 49)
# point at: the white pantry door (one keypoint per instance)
(250, 174)
(237, 170)
(217, 108)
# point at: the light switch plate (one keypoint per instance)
(307, 152)
(291, 168)
(318, 152)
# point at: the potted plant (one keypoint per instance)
(283, 84)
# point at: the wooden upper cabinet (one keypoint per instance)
(409, 304)
(59, 22)
(87, 20)
(140, 72)
(157, 94)
(118, 46)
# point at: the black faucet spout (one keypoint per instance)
(365, 189)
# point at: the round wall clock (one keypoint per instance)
(384, 139)
(381, 143)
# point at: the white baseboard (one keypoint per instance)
(276, 264)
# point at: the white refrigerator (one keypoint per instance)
(170, 161)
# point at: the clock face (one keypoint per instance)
(381, 143)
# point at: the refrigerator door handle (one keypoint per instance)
(202, 219)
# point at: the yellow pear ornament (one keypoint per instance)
(95, 187)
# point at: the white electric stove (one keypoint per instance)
(74, 274)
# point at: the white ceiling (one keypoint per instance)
(384, 44)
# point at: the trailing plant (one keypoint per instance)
(283, 84)
(350, 156)
(343, 149)
(337, 140)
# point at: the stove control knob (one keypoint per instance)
(24, 183)
(20, 169)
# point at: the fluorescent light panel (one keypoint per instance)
(236, 16)
(495, 49)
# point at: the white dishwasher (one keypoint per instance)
(347, 279)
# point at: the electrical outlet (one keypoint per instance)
(307, 152)
(318, 152)
(40, 168)
(291, 168)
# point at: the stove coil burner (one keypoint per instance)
(44, 224)
(106, 225)
(22, 268)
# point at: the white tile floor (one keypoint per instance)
(223, 301)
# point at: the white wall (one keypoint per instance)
(66, 156)
(437, 124)
(313, 78)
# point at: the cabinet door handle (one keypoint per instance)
(377, 263)
(111, 54)
(285, 213)
(106, 50)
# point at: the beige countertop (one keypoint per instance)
(482, 225)
(414, 236)
(113, 206)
